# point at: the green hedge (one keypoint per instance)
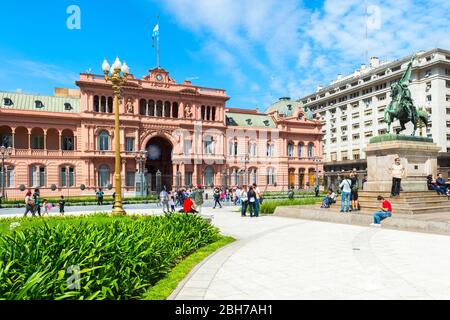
(268, 207)
(118, 258)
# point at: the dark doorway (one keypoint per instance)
(159, 158)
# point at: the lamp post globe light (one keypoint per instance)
(5, 152)
(117, 76)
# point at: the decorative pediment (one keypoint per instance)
(159, 75)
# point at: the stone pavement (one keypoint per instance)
(284, 258)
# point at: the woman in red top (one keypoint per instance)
(188, 206)
(386, 212)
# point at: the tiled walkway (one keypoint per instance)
(283, 258)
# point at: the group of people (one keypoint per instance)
(34, 203)
(439, 185)
(251, 199)
(191, 200)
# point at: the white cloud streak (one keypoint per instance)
(291, 48)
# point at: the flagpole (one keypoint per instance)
(158, 48)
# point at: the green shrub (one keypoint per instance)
(118, 258)
(268, 207)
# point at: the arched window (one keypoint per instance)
(175, 110)
(67, 140)
(96, 104)
(159, 108)
(103, 141)
(37, 139)
(110, 104)
(300, 150)
(310, 151)
(209, 176)
(252, 176)
(151, 108)
(37, 176)
(142, 107)
(208, 113)
(209, 145)
(167, 106)
(67, 176)
(270, 149)
(271, 179)
(103, 104)
(203, 111)
(103, 176)
(9, 176)
(290, 150)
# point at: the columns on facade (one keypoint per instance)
(60, 140)
(13, 132)
(45, 139)
(29, 139)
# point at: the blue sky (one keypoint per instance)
(258, 50)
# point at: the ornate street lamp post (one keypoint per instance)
(117, 81)
(141, 157)
(316, 161)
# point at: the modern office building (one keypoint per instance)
(64, 144)
(352, 108)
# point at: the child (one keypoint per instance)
(61, 204)
(46, 206)
(172, 203)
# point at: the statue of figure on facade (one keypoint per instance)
(129, 106)
(187, 111)
(402, 106)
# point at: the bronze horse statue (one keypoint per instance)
(402, 106)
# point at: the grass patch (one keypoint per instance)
(268, 207)
(163, 289)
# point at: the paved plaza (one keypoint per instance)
(284, 258)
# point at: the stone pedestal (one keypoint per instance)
(418, 156)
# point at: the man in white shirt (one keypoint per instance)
(397, 171)
(346, 187)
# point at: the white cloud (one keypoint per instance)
(292, 49)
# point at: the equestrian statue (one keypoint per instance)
(402, 106)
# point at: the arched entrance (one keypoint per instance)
(159, 164)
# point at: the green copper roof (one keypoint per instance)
(284, 106)
(250, 120)
(22, 101)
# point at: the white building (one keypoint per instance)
(352, 107)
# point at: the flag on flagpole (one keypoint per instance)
(155, 34)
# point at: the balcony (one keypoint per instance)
(42, 153)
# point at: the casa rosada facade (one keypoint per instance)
(64, 144)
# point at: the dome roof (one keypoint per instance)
(284, 106)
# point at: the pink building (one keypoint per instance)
(63, 142)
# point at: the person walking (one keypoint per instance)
(46, 207)
(316, 190)
(37, 202)
(354, 192)
(397, 171)
(259, 200)
(164, 199)
(29, 204)
(198, 198)
(61, 205)
(216, 196)
(244, 202)
(386, 212)
(346, 193)
(252, 202)
(99, 194)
